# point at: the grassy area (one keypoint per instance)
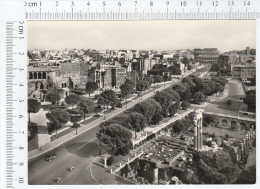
(33, 143)
(222, 132)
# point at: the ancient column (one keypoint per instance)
(105, 162)
(155, 175)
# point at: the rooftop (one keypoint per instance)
(39, 69)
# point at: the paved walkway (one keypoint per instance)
(40, 119)
(249, 173)
(101, 176)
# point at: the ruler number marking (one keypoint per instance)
(21, 180)
(246, 3)
(215, 3)
(151, 3)
(231, 3)
(183, 4)
(32, 4)
(135, 3)
(199, 3)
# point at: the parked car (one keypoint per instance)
(51, 157)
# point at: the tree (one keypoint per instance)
(91, 87)
(33, 107)
(107, 98)
(165, 100)
(198, 97)
(86, 105)
(72, 99)
(70, 83)
(75, 119)
(177, 127)
(179, 88)
(173, 109)
(157, 108)
(53, 97)
(158, 79)
(142, 85)
(185, 60)
(136, 122)
(217, 167)
(185, 104)
(97, 109)
(149, 109)
(189, 81)
(250, 100)
(57, 118)
(127, 88)
(116, 137)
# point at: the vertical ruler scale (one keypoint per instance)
(16, 146)
(9, 104)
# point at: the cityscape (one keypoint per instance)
(127, 114)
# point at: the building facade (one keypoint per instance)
(206, 56)
(243, 72)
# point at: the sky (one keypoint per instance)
(143, 35)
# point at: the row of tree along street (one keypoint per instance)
(192, 89)
(151, 111)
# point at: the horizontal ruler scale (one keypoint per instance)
(142, 9)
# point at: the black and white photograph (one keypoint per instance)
(169, 102)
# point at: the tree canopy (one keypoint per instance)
(116, 137)
(91, 87)
(53, 97)
(136, 122)
(198, 97)
(107, 98)
(33, 107)
(72, 99)
(217, 167)
(149, 109)
(127, 88)
(57, 117)
(86, 105)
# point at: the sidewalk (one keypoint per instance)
(101, 176)
(41, 121)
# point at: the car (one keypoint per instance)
(51, 157)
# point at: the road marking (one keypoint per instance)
(90, 167)
(85, 144)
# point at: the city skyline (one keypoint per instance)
(225, 35)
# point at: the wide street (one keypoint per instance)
(233, 91)
(78, 152)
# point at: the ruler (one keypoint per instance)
(15, 103)
(14, 16)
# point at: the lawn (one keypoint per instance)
(222, 132)
(33, 143)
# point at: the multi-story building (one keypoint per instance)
(39, 78)
(77, 72)
(243, 72)
(118, 76)
(206, 56)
